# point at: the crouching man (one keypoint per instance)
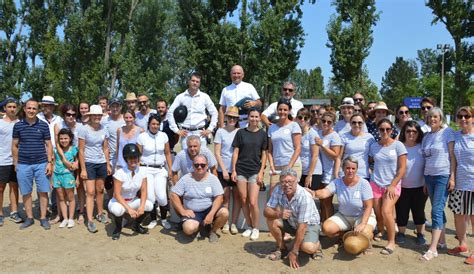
(198, 197)
(292, 210)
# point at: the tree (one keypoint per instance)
(400, 80)
(458, 17)
(350, 38)
(309, 84)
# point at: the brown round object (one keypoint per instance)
(355, 243)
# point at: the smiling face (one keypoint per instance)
(347, 112)
(254, 118)
(132, 162)
(200, 165)
(288, 184)
(161, 108)
(70, 116)
(64, 140)
(31, 109)
(326, 123)
(434, 121)
(464, 119)
(380, 114)
(154, 126)
(129, 119)
(194, 146)
(403, 114)
(283, 110)
(350, 169)
(357, 124)
(143, 103)
(288, 90)
(115, 109)
(83, 108)
(10, 109)
(237, 74)
(385, 129)
(95, 119)
(411, 135)
(425, 107)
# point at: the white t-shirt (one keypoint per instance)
(130, 185)
(295, 106)
(153, 147)
(282, 142)
(225, 138)
(386, 161)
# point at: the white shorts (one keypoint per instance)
(346, 223)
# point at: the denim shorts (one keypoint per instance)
(96, 171)
(199, 215)
(27, 173)
(250, 179)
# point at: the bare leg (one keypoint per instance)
(28, 204)
(461, 228)
(72, 202)
(253, 191)
(220, 219)
(90, 188)
(62, 202)
(388, 205)
(99, 189)
(236, 205)
(242, 187)
(14, 195)
(43, 197)
(2, 190)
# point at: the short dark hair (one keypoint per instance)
(103, 97)
(402, 137)
(66, 107)
(428, 100)
(66, 131)
(160, 99)
(384, 120)
(153, 116)
(195, 74)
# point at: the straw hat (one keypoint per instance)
(130, 96)
(381, 106)
(347, 102)
(48, 100)
(232, 111)
(355, 243)
(95, 110)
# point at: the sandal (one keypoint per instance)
(378, 237)
(318, 255)
(277, 255)
(80, 218)
(386, 251)
(55, 220)
(429, 255)
(457, 250)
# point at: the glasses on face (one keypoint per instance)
(465, 116)
(358, 99)
(288, 89)
(401, 112)
(357, 123)
(69, 114)
(410, 131)
(357, 110)
(232, 118)
(302, 117)
(142, 102)
(197, 165)
(287, 182)
(385, 129)
(314, 111)
(426, 107)
(326, 122)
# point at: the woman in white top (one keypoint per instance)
(127, 134)
(284, 144)
(223, 150)
(82, 110)
(156, 160)
(128, 182)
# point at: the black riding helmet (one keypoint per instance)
(180, 113)
(130, 151)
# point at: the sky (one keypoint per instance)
(404, 27)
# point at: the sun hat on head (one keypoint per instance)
(131, 96)
(48, 100)
(347, 102)
(232, 111)
(95, 110)
(381, 106)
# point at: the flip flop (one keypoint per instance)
(386, 251)
(277, 255)
(80, 218)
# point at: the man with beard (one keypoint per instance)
(144, 112)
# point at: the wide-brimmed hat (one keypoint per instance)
(381, 106)
(48, 100)
(95, 110)
(355, 243)
(232, 111)
(131, 96)
(347, 102)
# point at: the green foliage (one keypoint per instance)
(309, 84)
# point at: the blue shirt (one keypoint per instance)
(386, 161)
(351, 198)
(464, 153)
(435, 150)
(307, 141)
(358, 147)
(282, 142)
(31, 141)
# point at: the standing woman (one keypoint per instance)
(156, 159)
(329, 144)
(223, 150)
(440, 168)
(401, 117)
(461, 200)
(355, 143)
(95, 164)
(390, 159)
(379, 112)
(312, 168)
(83, 109)
(248, 166)
(346, 109)
(81, 120)
(284, 143)
(127, 134)
(412, 197)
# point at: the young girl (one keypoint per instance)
(64, 180)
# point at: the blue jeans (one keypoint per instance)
(438, 192)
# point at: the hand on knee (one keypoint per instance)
(309, 248)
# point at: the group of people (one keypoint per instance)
(379, 170)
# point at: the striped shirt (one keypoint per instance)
(303, 209)
(30, 150)
(436, 153)
(464, 152)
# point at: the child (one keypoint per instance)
(64, 180)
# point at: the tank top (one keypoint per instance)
(122, 142)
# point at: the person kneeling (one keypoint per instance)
(202, 195)
(355, 208)
(292, 210)
(128, 182)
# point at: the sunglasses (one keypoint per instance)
(326, 122)
(200, 165)
(401, 112)
(302, 117)
(426, 108)
(357, 123)
(142, 102)
(465, 116)
(358, 99)
(232, 118)
(408, 131)
(314, 111)
(288, 89)
(357, 110)
(387, 129)
(68, 114)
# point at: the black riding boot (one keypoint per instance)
(137, 224)
(118, 227)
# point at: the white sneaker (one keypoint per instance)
(166, 224)
(225, 229)
(255, 234)
(63, 224)
(152, 224)
(70, 223)
(247, 232)
(233, 229)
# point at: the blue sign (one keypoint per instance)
(412, 102)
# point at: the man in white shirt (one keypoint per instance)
(47, 115)
(144, 112)
(235, 92)
(197, 102)
(288, 90)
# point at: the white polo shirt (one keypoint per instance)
(295, 106)
(130, 185)
(233, 93)
(153, 147)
